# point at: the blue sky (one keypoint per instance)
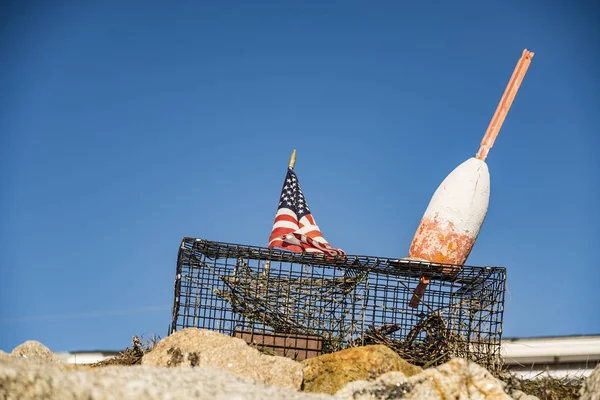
(128, 125)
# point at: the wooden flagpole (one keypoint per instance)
(292, 160)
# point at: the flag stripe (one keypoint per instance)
(294, 228)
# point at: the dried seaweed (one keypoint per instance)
(285, 304)
(437, 343)
(545, 387)
(130, 356)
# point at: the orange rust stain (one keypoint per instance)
(435, 243)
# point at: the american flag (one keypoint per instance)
(295, 228)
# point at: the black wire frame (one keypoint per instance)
(305, 304)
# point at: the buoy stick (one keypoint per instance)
(505, 102)
(292, 160)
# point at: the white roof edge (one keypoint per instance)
(558, 349)
(558, 337)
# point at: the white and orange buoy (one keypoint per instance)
(458, 207)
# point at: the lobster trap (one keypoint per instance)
(302, 305)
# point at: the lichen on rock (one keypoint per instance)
(193, 347)
(330, 372)
(456, 379)
(590, 390)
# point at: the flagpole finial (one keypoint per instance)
(292, 160)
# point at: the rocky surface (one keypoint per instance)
(591, 386)
(330, 372)
(33, 349)
(199, 364)
(519, 395)
(456, 379)
(201, 348)
(25, 379)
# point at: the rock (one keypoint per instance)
(33, 349)
(192, 347)
(456, 379)
(520, 395)
(28, 379)
(590, 390)
(330, 372)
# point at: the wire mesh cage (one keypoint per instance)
(301, 305)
